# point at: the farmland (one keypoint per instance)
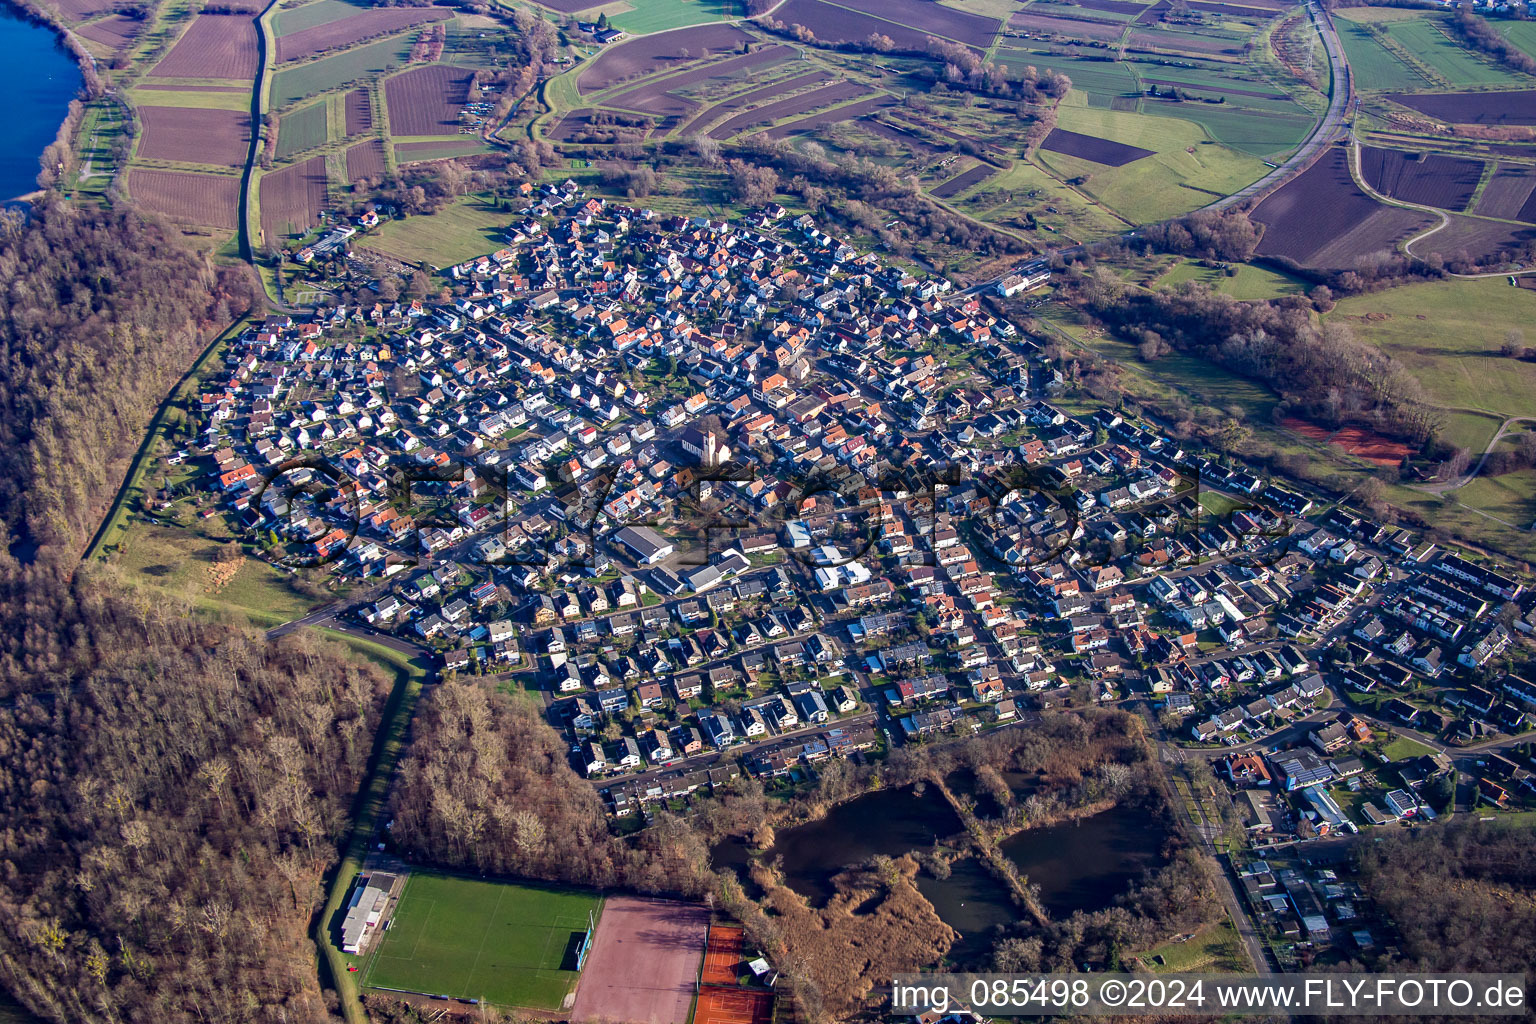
(1322, 219)
(661, 15)
(742, 101)
(840, 25)
(365, 160)
(314, 77)
(466, 938)
(427, 101)
(359, 112)
(347, 31)
(1508, 193)
(930, 19)
(214, 46)
(649, 54)
(836, 115)
(303, 129)
(1184, 171)
(1087, 147)
(405, 152)
(195, 135)
(1373, 63)
(1497, 108)
(292, 198)
(114, 32)
(965, 180)
(288, 20)
(826, 96)
(1426, 42)
(1424, 178)
(665, 97)
(209, 200)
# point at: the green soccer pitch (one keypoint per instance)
(468, 939)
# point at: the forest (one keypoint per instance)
(1460, 896)
(487, 785)
(100, 314)
(175, 791)
(176, 788)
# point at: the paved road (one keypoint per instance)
(1226, 887)
(1330, 129)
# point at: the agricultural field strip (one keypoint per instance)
(732, 104)
(833, 116)
(636, 96)
(348, 32)
(948, 23)
(307, 79)
(427, 100)
(642, 56)
(802, 103)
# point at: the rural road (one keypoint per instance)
(1476, 471)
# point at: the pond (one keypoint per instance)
(973, 902)
(1084, 865)
(888, 821)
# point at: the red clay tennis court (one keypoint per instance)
(722, 956)
(720, 1005)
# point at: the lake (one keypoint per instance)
(1084, 865)
(38, 78)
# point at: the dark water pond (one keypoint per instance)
(974, 903)
(1079, 866)
(888, 821)
(1084, 865)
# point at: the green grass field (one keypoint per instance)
(1374, 66)
(303, 129)
(1248, 283)
(312, 15)
(1094, 77)
(1448, 333)
(1215, 947)
(470, 227)
(1511, 497)
(300, 80)
(469, 939)
(1426, 42)
(1186, 169)
(659, 15)
(1002, 198)
(1403, 747)
(205, 100)
(1521, 33)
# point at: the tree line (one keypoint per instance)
(1320, 368)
